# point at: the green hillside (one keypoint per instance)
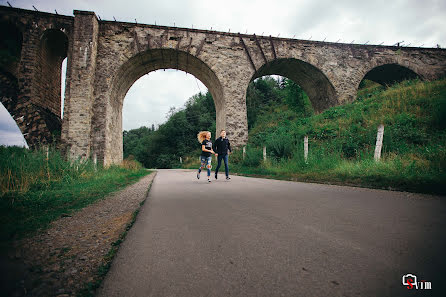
(342, 140)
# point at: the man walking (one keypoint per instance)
(223, 148)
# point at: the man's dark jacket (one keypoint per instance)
(222, 145)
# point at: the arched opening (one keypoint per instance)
(160, 123)
(389, 74)
(9, 89)
(46, 89)
(147, 62)
(272, 94)
(52, 52)
(378, 78)
(11, 39)
(273, 104)
(147, 103)
(315, 84)
(63, 75)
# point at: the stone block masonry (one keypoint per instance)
(32, 95)
(105, 58)
(80, 86)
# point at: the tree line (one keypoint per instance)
(163, 146)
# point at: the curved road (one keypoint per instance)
(260, 237)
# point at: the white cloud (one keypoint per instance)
(9, 132)
(379, 20)
(150, 98)
(12, 138)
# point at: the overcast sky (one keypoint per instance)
(414, 22)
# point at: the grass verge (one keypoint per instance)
(38, 188)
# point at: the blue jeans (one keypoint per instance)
(205, 162)
(225, 159)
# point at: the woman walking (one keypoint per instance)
(204, 137)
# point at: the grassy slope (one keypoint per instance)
(342, 140)
(36, 191)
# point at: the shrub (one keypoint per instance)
(131, 163)
(280, 144)
(405, 127)
(253, 157)
(439, 114)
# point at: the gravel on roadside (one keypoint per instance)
(65, 258)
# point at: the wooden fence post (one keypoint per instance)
(181, 160)
(95, 161)
(306, 149)
(379, 142)
(264, 153)
(244, 152)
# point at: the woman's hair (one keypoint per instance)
(202, 135)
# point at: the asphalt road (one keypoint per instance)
(259, 237)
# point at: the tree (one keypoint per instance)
(174, 138)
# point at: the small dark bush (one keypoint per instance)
(280, 144)
(253, 157)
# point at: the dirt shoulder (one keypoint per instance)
(73, 253)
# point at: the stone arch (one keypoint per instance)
(15, 135)
(146, 62)
(11, 42)
(389, 73)
(312, 80)
(9, 89)
(53, 49)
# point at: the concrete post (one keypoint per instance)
(95, 161)
(47, 151)
(79, 89)
(379, 142)
(264, 153)
(306, 149)
(244, 152)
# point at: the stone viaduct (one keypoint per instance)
(106, 57)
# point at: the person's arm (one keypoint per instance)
(229, 146)
(204, 149)
(216, 144)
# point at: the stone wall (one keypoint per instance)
(38, 125)
(51, 53)
(80, 86)
(37, 103)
